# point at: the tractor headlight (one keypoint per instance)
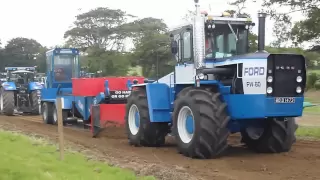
(299, 79)
(201, 76)
(270, 79)
(269, 90)
(298, 89)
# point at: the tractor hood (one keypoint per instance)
(255, 57)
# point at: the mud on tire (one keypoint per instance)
(278, 136)
(148, 133)
(8, 102)
(210, 133)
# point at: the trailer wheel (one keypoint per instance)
(200, 120)
(140, 131)
(276, 136)
(7, 102)
(35, 103)
(47, 113)
(55, 115)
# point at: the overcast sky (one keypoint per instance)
(47, 20)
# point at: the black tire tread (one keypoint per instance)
(213, 134)
(279, 136)
(8, 102)
(34, 103)
(150, 134)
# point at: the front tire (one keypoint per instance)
(277, 136)
(140, 131)
(207, 114)
(7, 102)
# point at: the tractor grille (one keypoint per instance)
(285, 68)
(22, 90)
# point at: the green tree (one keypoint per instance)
(111, 63)
(2, 59)
(152, 51)
(41, 59)
(308, 29)
(305, 30)
(102, 27)
(21, 52)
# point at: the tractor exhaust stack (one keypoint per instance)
(198, 38)
(261, 31)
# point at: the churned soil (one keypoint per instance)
(303, 162)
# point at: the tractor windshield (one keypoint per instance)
(226, 40)
(3, 75)
(64, 67)
(21, 77)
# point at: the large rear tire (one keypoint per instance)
(35, 103)
(140, 131)
(277, 136)
(200, 121)
(7, 102)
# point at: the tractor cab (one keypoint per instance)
(225, 36)
(21, 76)
(62, 66)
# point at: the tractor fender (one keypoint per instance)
(9, 86)
(35, 86)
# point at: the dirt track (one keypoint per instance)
(303, 162)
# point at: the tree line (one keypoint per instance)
(102, 33)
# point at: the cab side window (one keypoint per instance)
(178, 55)
(187, 46)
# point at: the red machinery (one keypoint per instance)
(101, 101)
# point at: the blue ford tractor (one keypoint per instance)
(218, 88)
(20, 92)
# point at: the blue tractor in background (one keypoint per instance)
(218, 88)
(20, 92)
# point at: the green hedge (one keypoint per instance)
(313, 81)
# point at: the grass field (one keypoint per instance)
(314, 71)
(313, 97)
(314, 109)
(310, 132)
(31, 159)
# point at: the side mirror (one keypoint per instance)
(174, 47)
